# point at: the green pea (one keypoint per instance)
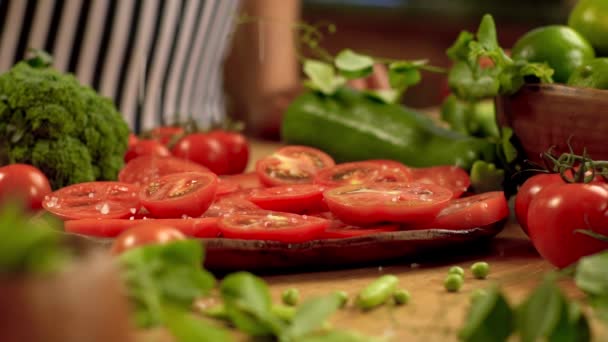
(343, 296)
(378, 292)
(291, 296)
(480, 269)
(401, 297)
(456, 270)
(453, 282)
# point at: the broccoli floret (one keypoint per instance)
(67, 130)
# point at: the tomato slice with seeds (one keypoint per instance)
(292, 165)
(272, 226)
(452, 177)
(473, 211)
(361, 173)
(248, 180)
(205, 227)
(143, 170)
(372, 203)
(296, 198)
(93, 200)
(180, 194)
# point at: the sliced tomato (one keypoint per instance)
(93, 200)
(372, 203)
(226, 186)
(394, 165)
(143, 170)
(204, 227)
(146, 233)
(340, 230)
(296, 198)
(230, 204)
(292, 165)
(180, 194)
(452, 177)
(272, 226)
(248, 180)
(361, 173)
(473, 211)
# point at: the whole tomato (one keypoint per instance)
(528, 191)
(133, 140)
(204, 149)
(165, 134)
(23, 182)
(557, 212)
(145, 234)
(238, 150)
(147, 147)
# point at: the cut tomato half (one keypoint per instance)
(226, 186)
(452, 177)
(473, 211)
(292, 165)
(94, 200)
(248, 180)
(179, 194)
(361, 173)
(372, 203)
(272, 226)
(230, 204)
(195, 227)
(296, 198)
(143, 170)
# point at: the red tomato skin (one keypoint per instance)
(149, 233)
(230, 204)
(238, 150)
(91, 199)
(24, 183)
(560, 209)
(109, 228)
(340, 230)
(146, 148)
(470, 212)
(192, 204)
(365, 212)
(376, 171)
(297, 198)
(143, 170)
(296, 165)
(452, 177)
(301, 229)
(133, 139)
(528, 191)
(205, 150)
(226, 187)
(248, 180)
(165, 134)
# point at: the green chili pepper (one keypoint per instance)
(350, 126)
(378, 292)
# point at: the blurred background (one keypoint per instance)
(400, 29)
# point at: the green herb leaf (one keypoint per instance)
(248, 304)
(353, 65)
(322, 77)
(383, 95)
(509, 151)
(469, 86)
(486, 177)
(573, 326)
(337, 336)
(486, 33)
(402, 75)
(185, 327)
(540, 313)
(459, 51)
(490, 318)
(310, 316)
(592, 274)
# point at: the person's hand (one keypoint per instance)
(378, 80)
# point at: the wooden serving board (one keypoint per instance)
(234, 254)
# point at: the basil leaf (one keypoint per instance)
(353, 65)
(248, 304)
(469, 86)
(486, 33)
(540, 313)
(337, 336)
(322, 77)
(459, 51)
(592, 274)
(490, 318)
(486, 177)
(600, 307)
(572, 327)
(402, 75)
(185, 327)
(310, 316)
(383, 95)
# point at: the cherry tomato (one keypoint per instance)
(292, 165)
(473, 211)
(148, 233)
(452, 177)
(133, 139)
(24, 183)
(166, 134)
(272, 226)
(230, 204)
(394, 165)
(146, 148)
(94, 200)
(179, 194)
(296, 198)
(371, 203)
(226, 186)
(362, 173)
(205, 150)
(248, 180)
(109, 228)
(558, 211)
(238, 150)
(528, 191)
(143, 170)
(340, 230)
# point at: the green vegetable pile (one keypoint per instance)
(51, 121)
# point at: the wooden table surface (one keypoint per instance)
(433, 314)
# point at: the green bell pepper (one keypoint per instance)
(351, 126)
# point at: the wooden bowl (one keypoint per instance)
(545, 115)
